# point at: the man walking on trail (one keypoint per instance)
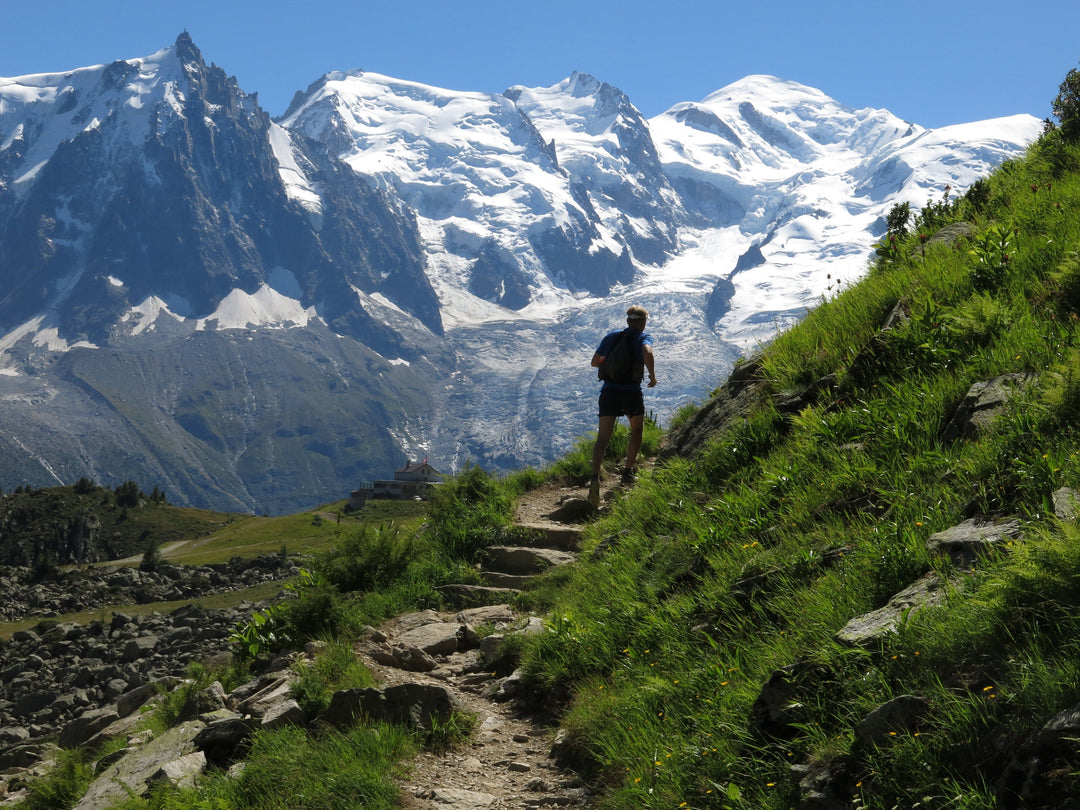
(621, 360)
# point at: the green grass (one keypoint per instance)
(291, 769)
(311, 532)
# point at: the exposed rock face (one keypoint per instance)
(1066, 504)
(871, 627)
(732, 401)
(906, 713)
(226, 210)
(172, 757)
(418, 705)
(964, 542)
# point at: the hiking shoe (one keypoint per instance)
(594, 492)
(628, 475)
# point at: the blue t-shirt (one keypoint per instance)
(605, 347)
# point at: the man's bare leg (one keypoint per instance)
(603, 436)
(637, 430)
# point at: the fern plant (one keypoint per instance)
(992, 253)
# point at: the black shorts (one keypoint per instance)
(621, 402)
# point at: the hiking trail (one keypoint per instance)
(508, 762)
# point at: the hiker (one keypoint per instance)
(621, 393)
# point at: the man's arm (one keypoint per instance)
(650, 360)
(597, 359)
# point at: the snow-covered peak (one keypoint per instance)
(40, 112)
(383, 125)
(485, 185)
(585, 103)
(144, 317)
(266, 307)
(767, 121)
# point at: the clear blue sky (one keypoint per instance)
(932, 63)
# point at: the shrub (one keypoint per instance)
(898, 219)
(978, 195)
(264, 632)
(366, 559)
(470, 512)
(1066, 106)
(151, 557)
(84, 486)
(63, 787)
(1067, 278)
(127, 494)
(317, 611)
(335, 667)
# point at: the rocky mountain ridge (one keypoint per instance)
(258, 315)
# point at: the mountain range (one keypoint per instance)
(255, 313)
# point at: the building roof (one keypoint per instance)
(417, 466)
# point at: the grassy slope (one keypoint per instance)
(666, 651)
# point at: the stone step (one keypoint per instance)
(551, 535)
(524, 559)
(464, 595)
(512, 582)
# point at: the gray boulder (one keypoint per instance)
(1067, 504)
(459, 799)
(204, 701)
(132, 773)
(86, 725)
(411, 659)
(488, 614)
(523, 560)
(134, 698)
(12, 735)
(901, 715)
(983, 403)
(180, 772)
(139, 647)
(259, 703)
(285, 713)
(964, 542)
(221, 738)
(440, 638)
(877, 624)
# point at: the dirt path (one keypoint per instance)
(507, 762)
(168, 548)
